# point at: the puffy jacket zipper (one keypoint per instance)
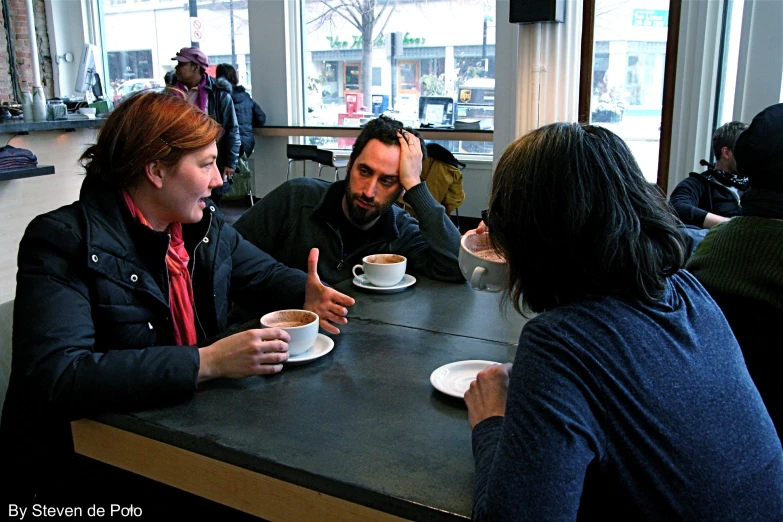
(192, 276)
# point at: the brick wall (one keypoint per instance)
(17, 32)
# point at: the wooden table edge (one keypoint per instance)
(239, 488)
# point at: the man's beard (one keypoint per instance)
(360, 216)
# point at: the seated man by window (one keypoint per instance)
(704, 199)
(357, 217)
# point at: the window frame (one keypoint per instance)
(669, 77)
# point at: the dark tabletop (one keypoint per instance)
(440, 307)
(362, 423)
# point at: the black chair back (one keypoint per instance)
(302, 152)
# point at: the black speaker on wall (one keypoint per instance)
(530, 11)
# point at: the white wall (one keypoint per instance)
(23, 199)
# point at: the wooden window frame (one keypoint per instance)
(669, 77)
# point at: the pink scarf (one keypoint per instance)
(201, 99)
(180, 286)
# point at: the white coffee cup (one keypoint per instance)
(382, 269)
(481, 264)
(301, 325)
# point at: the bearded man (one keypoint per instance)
(356, 217)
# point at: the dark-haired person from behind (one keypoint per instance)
(249, 114)
(355, 217)
(628, 398)
(741, 262)
(704, 199)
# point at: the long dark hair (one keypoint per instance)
(573, 215)
(227, 71)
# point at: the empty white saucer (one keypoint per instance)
(454, 378)
(321, 347)
(362, 282)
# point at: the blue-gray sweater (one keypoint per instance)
(299, 215)
(619, 410)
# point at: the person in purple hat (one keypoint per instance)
(204, 92)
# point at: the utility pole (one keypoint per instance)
(233, 46)
(193, 14)
(393, 51)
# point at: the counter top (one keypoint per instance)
(14, 126)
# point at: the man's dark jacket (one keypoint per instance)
(92, 326)
(701, 193)
(301, 214)
(249, 115)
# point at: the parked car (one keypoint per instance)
(139, 84)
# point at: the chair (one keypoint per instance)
(326, 159)
(300, 153)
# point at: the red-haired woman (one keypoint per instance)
(118, 292)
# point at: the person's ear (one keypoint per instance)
(724, 152)
(155, 174)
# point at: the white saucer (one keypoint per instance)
(362, 282)
(454, 378)
(322, 346)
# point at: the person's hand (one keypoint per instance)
(328, 303)
(228, 172)
(252, 352)
(486, 396)
(710, 220)
(410, 159)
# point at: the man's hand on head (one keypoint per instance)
(410, 159)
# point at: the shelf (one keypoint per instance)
(43, 170)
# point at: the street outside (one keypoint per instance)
(642, 134)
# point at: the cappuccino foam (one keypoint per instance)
(287, 324)
(386, 259)
(490, 254)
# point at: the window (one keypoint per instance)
(141, 37)
(352, 74)
(628, 59)
(727, 80)
(416, 48)
(408, 77)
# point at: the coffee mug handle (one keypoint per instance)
(475, 279)
(360, 267)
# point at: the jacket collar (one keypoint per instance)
(330, 206)
(120, 247)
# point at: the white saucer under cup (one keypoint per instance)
(321, 347)
(364, 284)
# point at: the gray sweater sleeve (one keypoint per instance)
(431, 244)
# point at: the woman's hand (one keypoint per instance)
(252, 352)
(487, 394)
(328, 303)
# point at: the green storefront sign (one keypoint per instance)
(650, 18)
(336, 43)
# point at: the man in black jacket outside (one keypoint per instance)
(707, 198)
(204, 92)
